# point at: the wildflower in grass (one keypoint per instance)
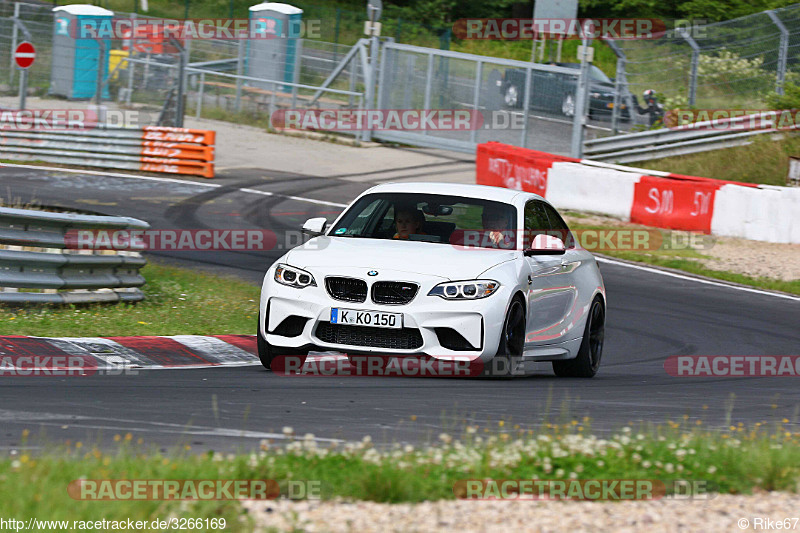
(712, 469)
(287, 430)
(646, 464)
(601, 463)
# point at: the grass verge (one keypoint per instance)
(686, 259)
(764, 161)
(737, 460)
(177, 302)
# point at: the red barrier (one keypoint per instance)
(501, 165)
(674, 204)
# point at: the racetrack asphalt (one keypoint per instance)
(650, 317)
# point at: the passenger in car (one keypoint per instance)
(495, 221)
(408, 222)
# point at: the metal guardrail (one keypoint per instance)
(83, 276)
(698, 137)
(149, 149)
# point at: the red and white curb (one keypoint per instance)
(147, 352)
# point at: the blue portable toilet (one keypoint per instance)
(274, 48)
(76, 56)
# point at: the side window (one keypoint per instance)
(558, 225)
(536, 221)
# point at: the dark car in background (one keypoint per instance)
(555, 91)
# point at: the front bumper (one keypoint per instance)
(428, 321)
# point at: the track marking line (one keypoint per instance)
(696, 279)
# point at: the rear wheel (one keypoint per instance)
(586, 364)
(268, 353)
(512, 342)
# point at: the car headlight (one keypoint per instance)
(294, 277)
(465, 290)
(595, 95)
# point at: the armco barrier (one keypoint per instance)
(148, 149)
(652, 198)
(82, 277)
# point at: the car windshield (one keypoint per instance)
(430, 218)
(594, 73)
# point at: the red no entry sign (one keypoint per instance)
(25, 54)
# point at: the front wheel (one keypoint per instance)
(268, 353)
(586, 364)
(512, 342)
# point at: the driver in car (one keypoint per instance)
(495, 221)
(408, 221)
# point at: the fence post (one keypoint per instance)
(526, 104)
(620, 86)
(23, 88)
(179, 106)
(336, 33)
(353, 76)
(783, 52)
(618, 96)
(296, 73)
(12, 66)
(428, 82)
(476, 95)
(695, 61)
(581, 99)
(98, 92)
(239, 74)
(200, 91)
(372, 79)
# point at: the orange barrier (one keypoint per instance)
(178, 151)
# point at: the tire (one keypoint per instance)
(587, 363)
(568, 105)
(268, 353)
(512, 342)
(511, 96)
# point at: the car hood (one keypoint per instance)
(430, 259)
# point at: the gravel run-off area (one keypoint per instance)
(724, 513)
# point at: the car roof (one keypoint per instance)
(485, 192)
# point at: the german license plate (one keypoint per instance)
(375, 319)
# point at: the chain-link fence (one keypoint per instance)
(224, 78)
(733, 64)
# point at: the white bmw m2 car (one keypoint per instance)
(439, 270)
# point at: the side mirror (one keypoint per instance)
(315, 226)
(546, 245)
